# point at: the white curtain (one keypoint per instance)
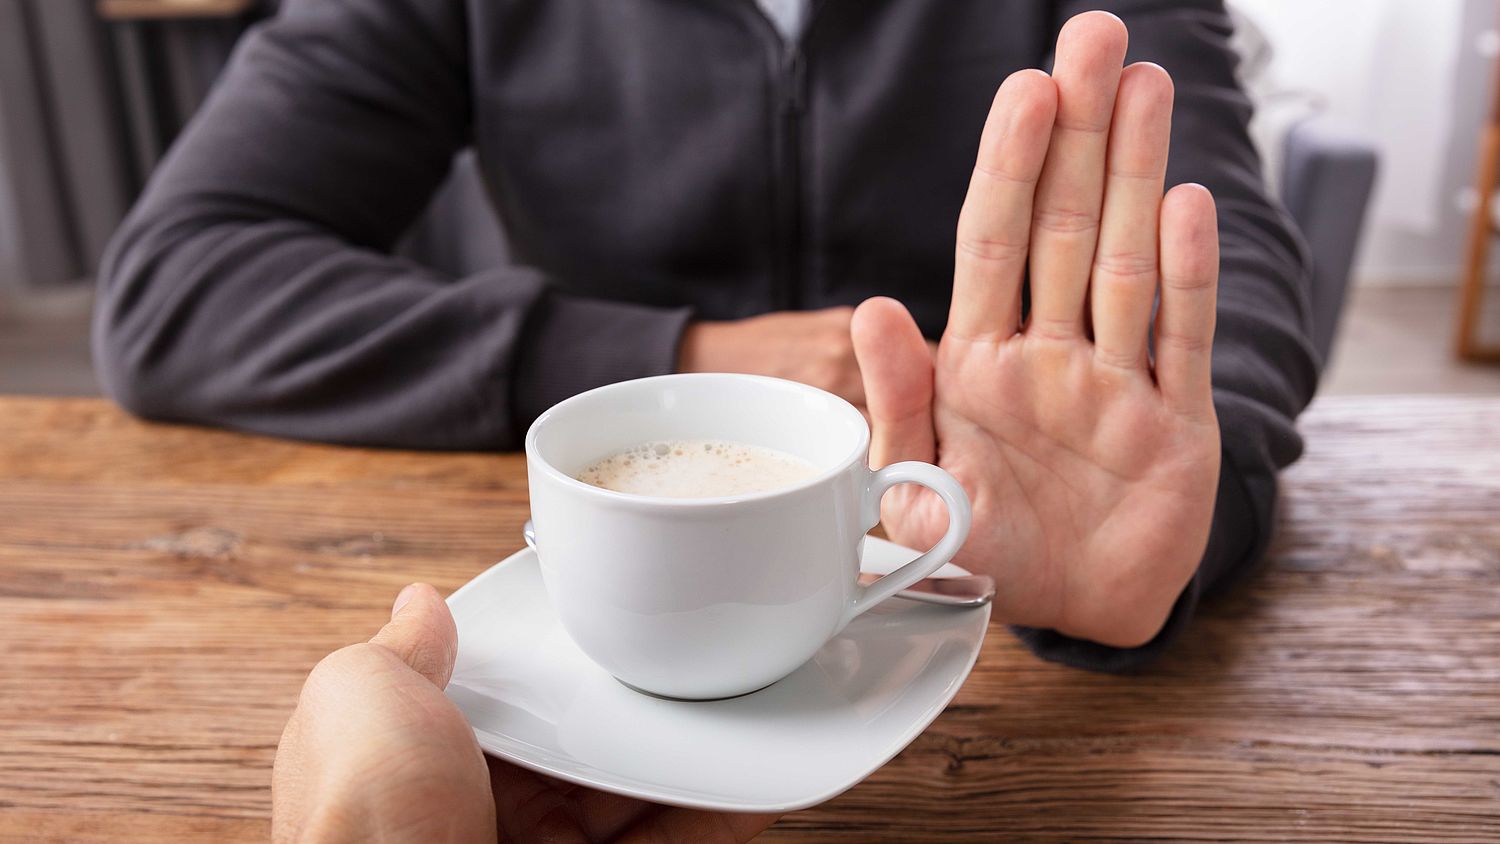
(1390, 70)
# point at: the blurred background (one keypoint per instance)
(1374, 117)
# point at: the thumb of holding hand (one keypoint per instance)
(421, 633)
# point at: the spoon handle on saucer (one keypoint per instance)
(973, 590)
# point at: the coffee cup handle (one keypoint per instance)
(959, 518)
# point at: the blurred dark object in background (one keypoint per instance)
(91, 94)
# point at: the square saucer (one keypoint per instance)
(535, 699)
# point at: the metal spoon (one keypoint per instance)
(974, 590)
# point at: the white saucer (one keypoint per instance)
(533, 698)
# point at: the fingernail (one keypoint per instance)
(403, 598)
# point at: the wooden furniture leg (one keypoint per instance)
(1471, 295)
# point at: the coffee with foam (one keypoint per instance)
(697, 469)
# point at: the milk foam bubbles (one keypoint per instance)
(697, 469)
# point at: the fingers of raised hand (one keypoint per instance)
(1068, 184)
(1189, 290)
(995, 224)
(1065, 222)
(1125, 270)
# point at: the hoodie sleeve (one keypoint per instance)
(251, 286)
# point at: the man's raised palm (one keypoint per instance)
(1092, 463)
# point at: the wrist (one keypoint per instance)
(696, 351)
(687, 346)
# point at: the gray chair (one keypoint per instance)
(1327, 176)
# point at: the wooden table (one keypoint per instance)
(163, 591)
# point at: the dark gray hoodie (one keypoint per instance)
(652, 161)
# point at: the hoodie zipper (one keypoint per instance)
(788, 68)
(792, 106)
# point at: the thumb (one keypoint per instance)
(897, 369)
(421, 633)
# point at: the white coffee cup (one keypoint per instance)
(704, 598)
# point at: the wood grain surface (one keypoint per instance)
(163, 591)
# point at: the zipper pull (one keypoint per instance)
(796, 82)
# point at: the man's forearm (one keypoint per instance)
(250, 287)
